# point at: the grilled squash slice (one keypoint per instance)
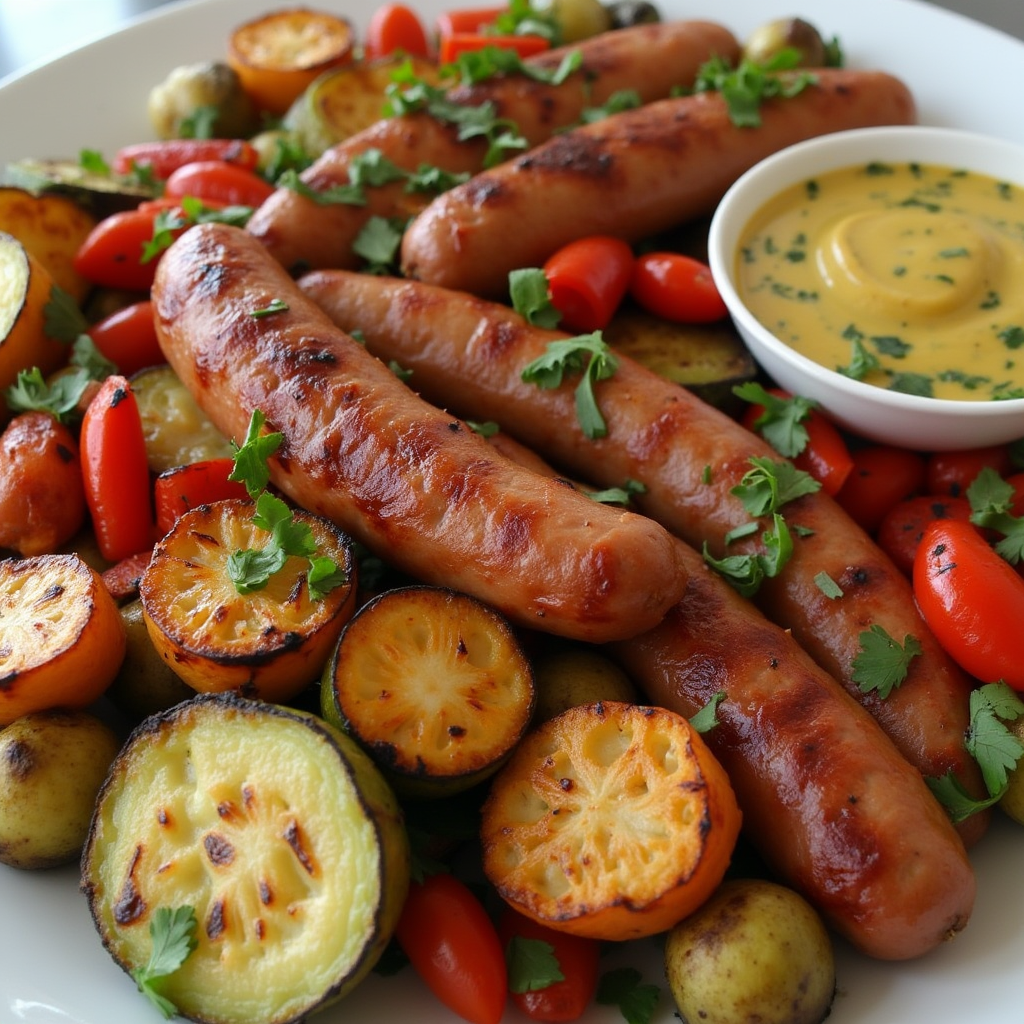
(62, 640)
(611, 820)
(434, 685)
(279, 834)
(270, 643)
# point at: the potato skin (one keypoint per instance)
(52, 764)
(755, 953)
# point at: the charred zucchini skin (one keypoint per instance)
(100, 194)
(278, 831)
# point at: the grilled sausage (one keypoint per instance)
(650, 59)
(409, 481)
(630, 175)
(469, 353)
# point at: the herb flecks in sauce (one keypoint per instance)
(908, 276)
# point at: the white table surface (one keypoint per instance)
(33, 30)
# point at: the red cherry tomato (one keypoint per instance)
(825, 457)
(881, 476)
(115, 471)
(453, 945)
(953, 472)
(218, 182)
(165, 157)
(587, 280)
(578, 961)
(395, 28)
(128, 338)
(902, 527)
(677, 288)
(114, 252)
(972, 600)
(198, 483)
(451, 47)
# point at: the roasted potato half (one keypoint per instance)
(271, 642)
(434, 685)
(279, 834)
(611, 820)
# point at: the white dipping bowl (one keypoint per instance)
(890, 417)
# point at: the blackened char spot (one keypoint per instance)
(572, 153)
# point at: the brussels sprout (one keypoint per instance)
(192, 91)
(770, 39)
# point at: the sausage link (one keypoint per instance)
(411, 482)
(469, 353)
(630, 175)
(650, 59)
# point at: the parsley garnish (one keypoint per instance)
(59, 397)
(532, 964)
(781, 423)
(190, 211)
(274, 306)
(991, 499)
(995, 747)
(625, 988)
(882, 663)
(746, 573)
(707, 717)
(618, 495)
(251, 569)
(745, 87)
(174, 937)
(828, 586)
(531, 297)
(378, 243)
(770, 485)
(587, 354)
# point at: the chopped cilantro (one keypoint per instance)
(707, 717)
(532, 964)
(991, 499)
(828, 586)
(625, 988)
(174, 938)
(746, 86)
(770, 485)
(882, 664)
(781, 423)
(531, 297)
(378, 243)
(746, 573)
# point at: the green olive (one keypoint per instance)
(770, 39)
(627, 13)
(576, 19)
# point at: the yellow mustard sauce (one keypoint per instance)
(907, 276)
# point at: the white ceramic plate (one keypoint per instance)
(53, 969)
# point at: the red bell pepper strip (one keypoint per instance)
(471, 20)
(199, 483)
(450, 47)
(165, 157)
(128, 338)
(115, 471)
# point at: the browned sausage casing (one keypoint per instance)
(411, 482)
(631, 175)
(469, 353)
(649, 59)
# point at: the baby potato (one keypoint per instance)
(52, 764)
(570, 676)
(755, 951)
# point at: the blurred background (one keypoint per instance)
(32, 30)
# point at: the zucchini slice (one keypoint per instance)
(100, 194)
(434, 685)
(275, 829)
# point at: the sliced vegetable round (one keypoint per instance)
(269, 643)
(63, 638)
(434, 685)
(278, 55)
(611, 821)
(277, 833)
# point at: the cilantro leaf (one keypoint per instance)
(174, 938)
(828, 586)
(745, 87)
(781, 423)
(587, 354)
(882, 664)
(995, 748)
(532, 964)
(770, 485)
(991, 499)
(707, 717)
(378, 243)
(746, 573)
(531, 297)
(62, 318)
(60, 396)
(624, 987)
(251, 457)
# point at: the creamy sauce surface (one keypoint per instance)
(906, 276)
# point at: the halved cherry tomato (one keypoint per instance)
(881, 476)
(219, 182)
(677, 287)
(165, 157)
(825, 457)
(115, 471)
(113, 254)
(972, 600)
(395, 27)
(578, 962)
(902, 527)
(587, 280)
(128, 338)
(453, 945)
(450, 47)
(467, 20)
(198, 483)
(953, 472)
